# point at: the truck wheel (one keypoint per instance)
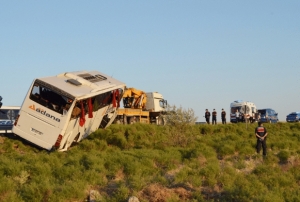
(132, 120)
(161, 121)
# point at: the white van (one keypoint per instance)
(244, 109)
(8, 115)
(59, 110)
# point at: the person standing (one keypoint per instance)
(261, 135)
(207, 116)
(214, 117)
(256, 117)
(237, 115)
(223, 116)
(252, 117)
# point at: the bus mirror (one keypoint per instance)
(0, 104)
(0, 98)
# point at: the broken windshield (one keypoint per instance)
(51, 97)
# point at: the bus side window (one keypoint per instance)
(76, 111)
(102, 100)
(35, 93)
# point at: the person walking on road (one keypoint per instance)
(223, 116)
(261, 135)
(214, 117)
(207, 116)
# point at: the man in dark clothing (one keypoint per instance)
(207, 116)
(214, 117)
(223, 116)
(261, 135)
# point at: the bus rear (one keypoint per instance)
(42, 114)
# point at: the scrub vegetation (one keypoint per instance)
(178, 162)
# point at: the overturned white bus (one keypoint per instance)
(59, 110)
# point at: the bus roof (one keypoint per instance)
(82, 83)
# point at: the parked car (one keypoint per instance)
(293, 117)
(8, 115)
(267, 115)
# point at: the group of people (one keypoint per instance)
(241, 117)
(260, 131)
(214, 116)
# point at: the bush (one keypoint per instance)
(283, 156)
(126, 159)
(206, 130)
(179, 116)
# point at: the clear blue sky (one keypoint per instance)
(198, 54)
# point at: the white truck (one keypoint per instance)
(241, 111)
(66, 108)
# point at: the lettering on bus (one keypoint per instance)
(44, 112)
(36, 131)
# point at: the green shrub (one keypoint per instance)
(121, 194)
(262, 170)
(226, 149)
(245, 189)
(295, 127)
(210, 172)
(283, 156)
(206, 130)
(124, 159)
(246, 150)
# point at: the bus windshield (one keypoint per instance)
(51, 97)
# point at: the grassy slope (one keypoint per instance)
(157, 163)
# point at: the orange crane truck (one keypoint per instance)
(142, 107)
